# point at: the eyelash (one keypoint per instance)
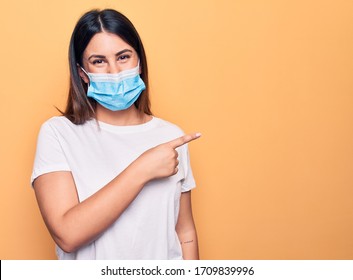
(120, 58)
(124, 57)
(98, 61)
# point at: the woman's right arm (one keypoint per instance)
(73, 224)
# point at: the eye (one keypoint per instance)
(98, 61)
(124, 57)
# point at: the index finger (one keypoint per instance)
(183, 140)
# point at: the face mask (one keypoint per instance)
(116, 91)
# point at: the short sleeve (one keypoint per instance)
(189, 181)
(49, 155)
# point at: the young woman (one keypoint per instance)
(111, 180)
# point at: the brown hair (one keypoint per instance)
(81, 108)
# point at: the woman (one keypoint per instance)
(111, 180)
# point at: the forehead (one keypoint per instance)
(106, 44)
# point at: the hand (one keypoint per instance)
(162, 160)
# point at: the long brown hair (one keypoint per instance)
(81, 108)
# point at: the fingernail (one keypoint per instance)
(198, 134)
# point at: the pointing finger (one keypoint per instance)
(183, 140)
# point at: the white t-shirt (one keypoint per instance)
(95, 153)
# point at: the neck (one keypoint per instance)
(130, 116)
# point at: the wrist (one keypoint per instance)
(139, 172)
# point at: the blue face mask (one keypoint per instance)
(116, 91)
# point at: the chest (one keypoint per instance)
(97, 158)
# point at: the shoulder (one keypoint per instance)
(168, 126)
(51, 124)
(61, 126)
(61, 123)
(57, 121)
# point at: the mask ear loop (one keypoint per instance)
(78, 65)
(84, 71)
(89, 80)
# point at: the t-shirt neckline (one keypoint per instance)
(127, 128)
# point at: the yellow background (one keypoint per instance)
(268, 83)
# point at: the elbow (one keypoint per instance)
(67, 247)
(69, 236)
(67, 243)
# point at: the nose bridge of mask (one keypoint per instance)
(116, 77)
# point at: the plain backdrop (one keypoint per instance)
(268, 83)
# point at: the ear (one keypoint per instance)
(139, 64)
(82, 74)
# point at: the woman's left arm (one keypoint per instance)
(186, 230)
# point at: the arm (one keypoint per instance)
(73, 224)
(186, 230)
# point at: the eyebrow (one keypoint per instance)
(117, 54)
